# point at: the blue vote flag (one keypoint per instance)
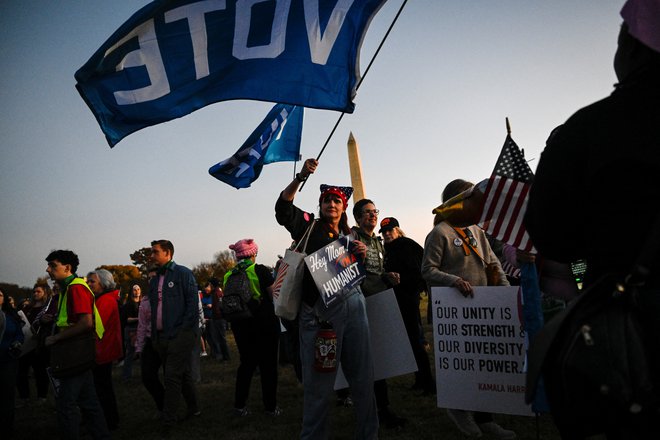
(173, 57)
(276, 139)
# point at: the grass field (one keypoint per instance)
(216, 392)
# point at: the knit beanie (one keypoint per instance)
(244, 248)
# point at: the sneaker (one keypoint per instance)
(203, 354)
(274, 413)
(495, 430)
(241, 412)
(193, 413)
(464, 421)
(346, 402)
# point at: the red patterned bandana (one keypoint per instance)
(343, 192)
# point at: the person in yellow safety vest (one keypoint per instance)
(77, 315)
(256, 336)
(249, 267)
(63, 315)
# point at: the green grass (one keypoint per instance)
(216, 394)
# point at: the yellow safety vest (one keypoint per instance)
(62, 313)
(251, 274)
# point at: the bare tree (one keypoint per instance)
(223, 261)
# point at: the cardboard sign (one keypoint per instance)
(390, 347)
(480, 350)
(334, 270)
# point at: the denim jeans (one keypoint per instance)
(129, 338)
(349, 320)
(195, 362)
(218, 332)
(150, 363)
(176, 357)
(105, 391)
(38, 360)
(79, 392)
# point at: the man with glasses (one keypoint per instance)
(377, 280)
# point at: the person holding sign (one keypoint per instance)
(458, 257)
(347, 315)
(41, 314)
(376, 281)
(404, 256)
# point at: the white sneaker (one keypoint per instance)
(274, 413)
(464, 422)
(497, 431)
(241, 412)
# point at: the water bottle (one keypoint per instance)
(325, 349)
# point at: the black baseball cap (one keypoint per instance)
(387, 224)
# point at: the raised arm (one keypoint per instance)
(308, 168)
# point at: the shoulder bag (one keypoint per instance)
(287, 289)
(597, 357)
(72, 356)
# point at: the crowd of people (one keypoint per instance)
(606, 150)
(162, 326)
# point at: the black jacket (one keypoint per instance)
(597, 185)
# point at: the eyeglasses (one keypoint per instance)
(371, 211)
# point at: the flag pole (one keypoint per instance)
(508, 126)
(396, 17)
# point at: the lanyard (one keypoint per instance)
(467, 245)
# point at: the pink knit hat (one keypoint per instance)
(244, 248)
(643, 20)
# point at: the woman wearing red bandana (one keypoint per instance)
(348, 316)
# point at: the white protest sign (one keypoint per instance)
(30, 341)
(390, 347)
(480, 350)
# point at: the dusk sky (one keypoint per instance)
(431, 109)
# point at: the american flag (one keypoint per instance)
(506, 198)
(510, 270)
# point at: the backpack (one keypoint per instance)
(237, 296)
